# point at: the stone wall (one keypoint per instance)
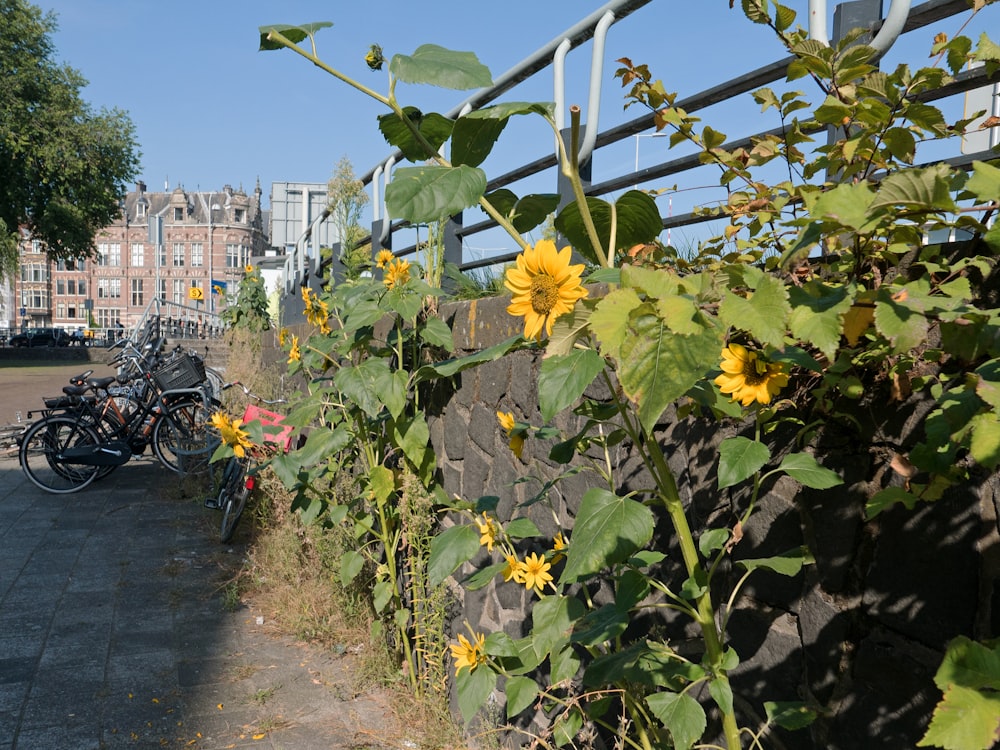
(859, 634)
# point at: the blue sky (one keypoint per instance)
(211, 110)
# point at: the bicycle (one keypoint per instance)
(81, 437)
(238, 477)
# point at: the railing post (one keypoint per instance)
(452, 247)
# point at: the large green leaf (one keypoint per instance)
(363, 384)
(635, 219)
(563, 379)
(905, 326)
(926, 188)
(424, 195)
(435, 128)
(449, 367)
(474, 687)
(985, 181)
(520, 693)
(763, 312)
(610, 319)
(414, 437)
(817, 314)
(442, 67)
(681, 714)
(845, 205)
(476, 132)
(524, 213)
(607, 531)
(984, 445)
(552, 619)
(790, 715)
(321, 444)
(965, 719)
(449, 549)
(970, 664)
(739, 458)
(787, 564)
(658, 366)
(294, 34)
(804, 469)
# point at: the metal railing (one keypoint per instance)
(902, 19)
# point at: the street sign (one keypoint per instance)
(196, 293)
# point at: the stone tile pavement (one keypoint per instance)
(114, 633)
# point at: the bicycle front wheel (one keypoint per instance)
(183, 440)
(41, 454)
(234, 495)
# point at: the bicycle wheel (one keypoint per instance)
(41, 449)
(183, 440)
(234, 495)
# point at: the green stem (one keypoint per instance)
(571, 170)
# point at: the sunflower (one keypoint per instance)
(747, 377)
(249, 268)
(231, 434)
(294, 355)
(468, 654)
(316, 310)
(558, 548)
(374, 57)
(488, 532)
(544, 286)
(282, 336)
(513, 570)
(515, 436)
(383, 258)
(397, 273)
(535, 572)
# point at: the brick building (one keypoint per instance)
(195, 256)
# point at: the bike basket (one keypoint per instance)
(265, 417)
(180, 372)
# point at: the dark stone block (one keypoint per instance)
(484, 428)
(456, 432)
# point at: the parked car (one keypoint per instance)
(40, 337)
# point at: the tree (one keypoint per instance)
(347, 197)
(65, 168)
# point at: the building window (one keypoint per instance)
(71, 287)
(115, 254)
(197, 255)
(163, 290)
(81, 287)
(60, 287)
(109, 288)
(108, 317)
(180, 291)
(138, 255)
(239, 216)
(71, 313)
(137, 296)
(140, 209)
(178, 213)
(163, 255)
(36, 272)
(234, 256)
(60, 310)
(178, 254)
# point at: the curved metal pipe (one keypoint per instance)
(892, 26)
(596, 71)
(386, 175)
(559, 81)
(377, 193)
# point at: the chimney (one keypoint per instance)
(140, 187)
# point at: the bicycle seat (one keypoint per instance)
(102, 383)
(75, 390)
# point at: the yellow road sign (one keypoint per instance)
(196, 293)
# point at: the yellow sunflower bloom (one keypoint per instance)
(544, 286)
(397, 273)
(231, 434)
(747, 377)
(513, 570)
(535, 572)
(249, 268)
(294, 355)
(469, 654)
(558, 548)
(516, 438)
(488, 532)
(383, 258)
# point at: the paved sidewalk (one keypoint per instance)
(114, 633)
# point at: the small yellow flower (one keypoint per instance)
(282, 337)
(231, 434)
(316, 310)
(544, 286)
(488, 532)
(558, 548)
(397, 273)
(516, 437)
(294, 355)
(747, 377)
(383, 258)
(249, 268)
(535, 572)
(468, 654)
(513, 570)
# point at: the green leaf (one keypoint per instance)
(481, 578)
(764, 313)
(845, 205)
(450, 549)
(970, 664)
(601, 625)
(294, 34)
(712, 540)
(435, 128)
(884, 499)
(424, 195)
(436, 332)
(441, 67)
(789, 715)
(903, 325)
(740, 458)
(381, 595)
(984, 445)
(985, 181)
(563, 379)
(804, 469)
(565, 665)
(924, 188)
(722, 693)
(965, 719)
(552, 619)
(635, 220)
(351, 563)
(522, 528)
(610, 319)
(817, 314)
(681, 714)
(449, 367)
(414, 436)
(607, 531)
(473, 139)
(787, 564)
(362, 384)
(659, 366)
(521, 693)
(474, 687)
